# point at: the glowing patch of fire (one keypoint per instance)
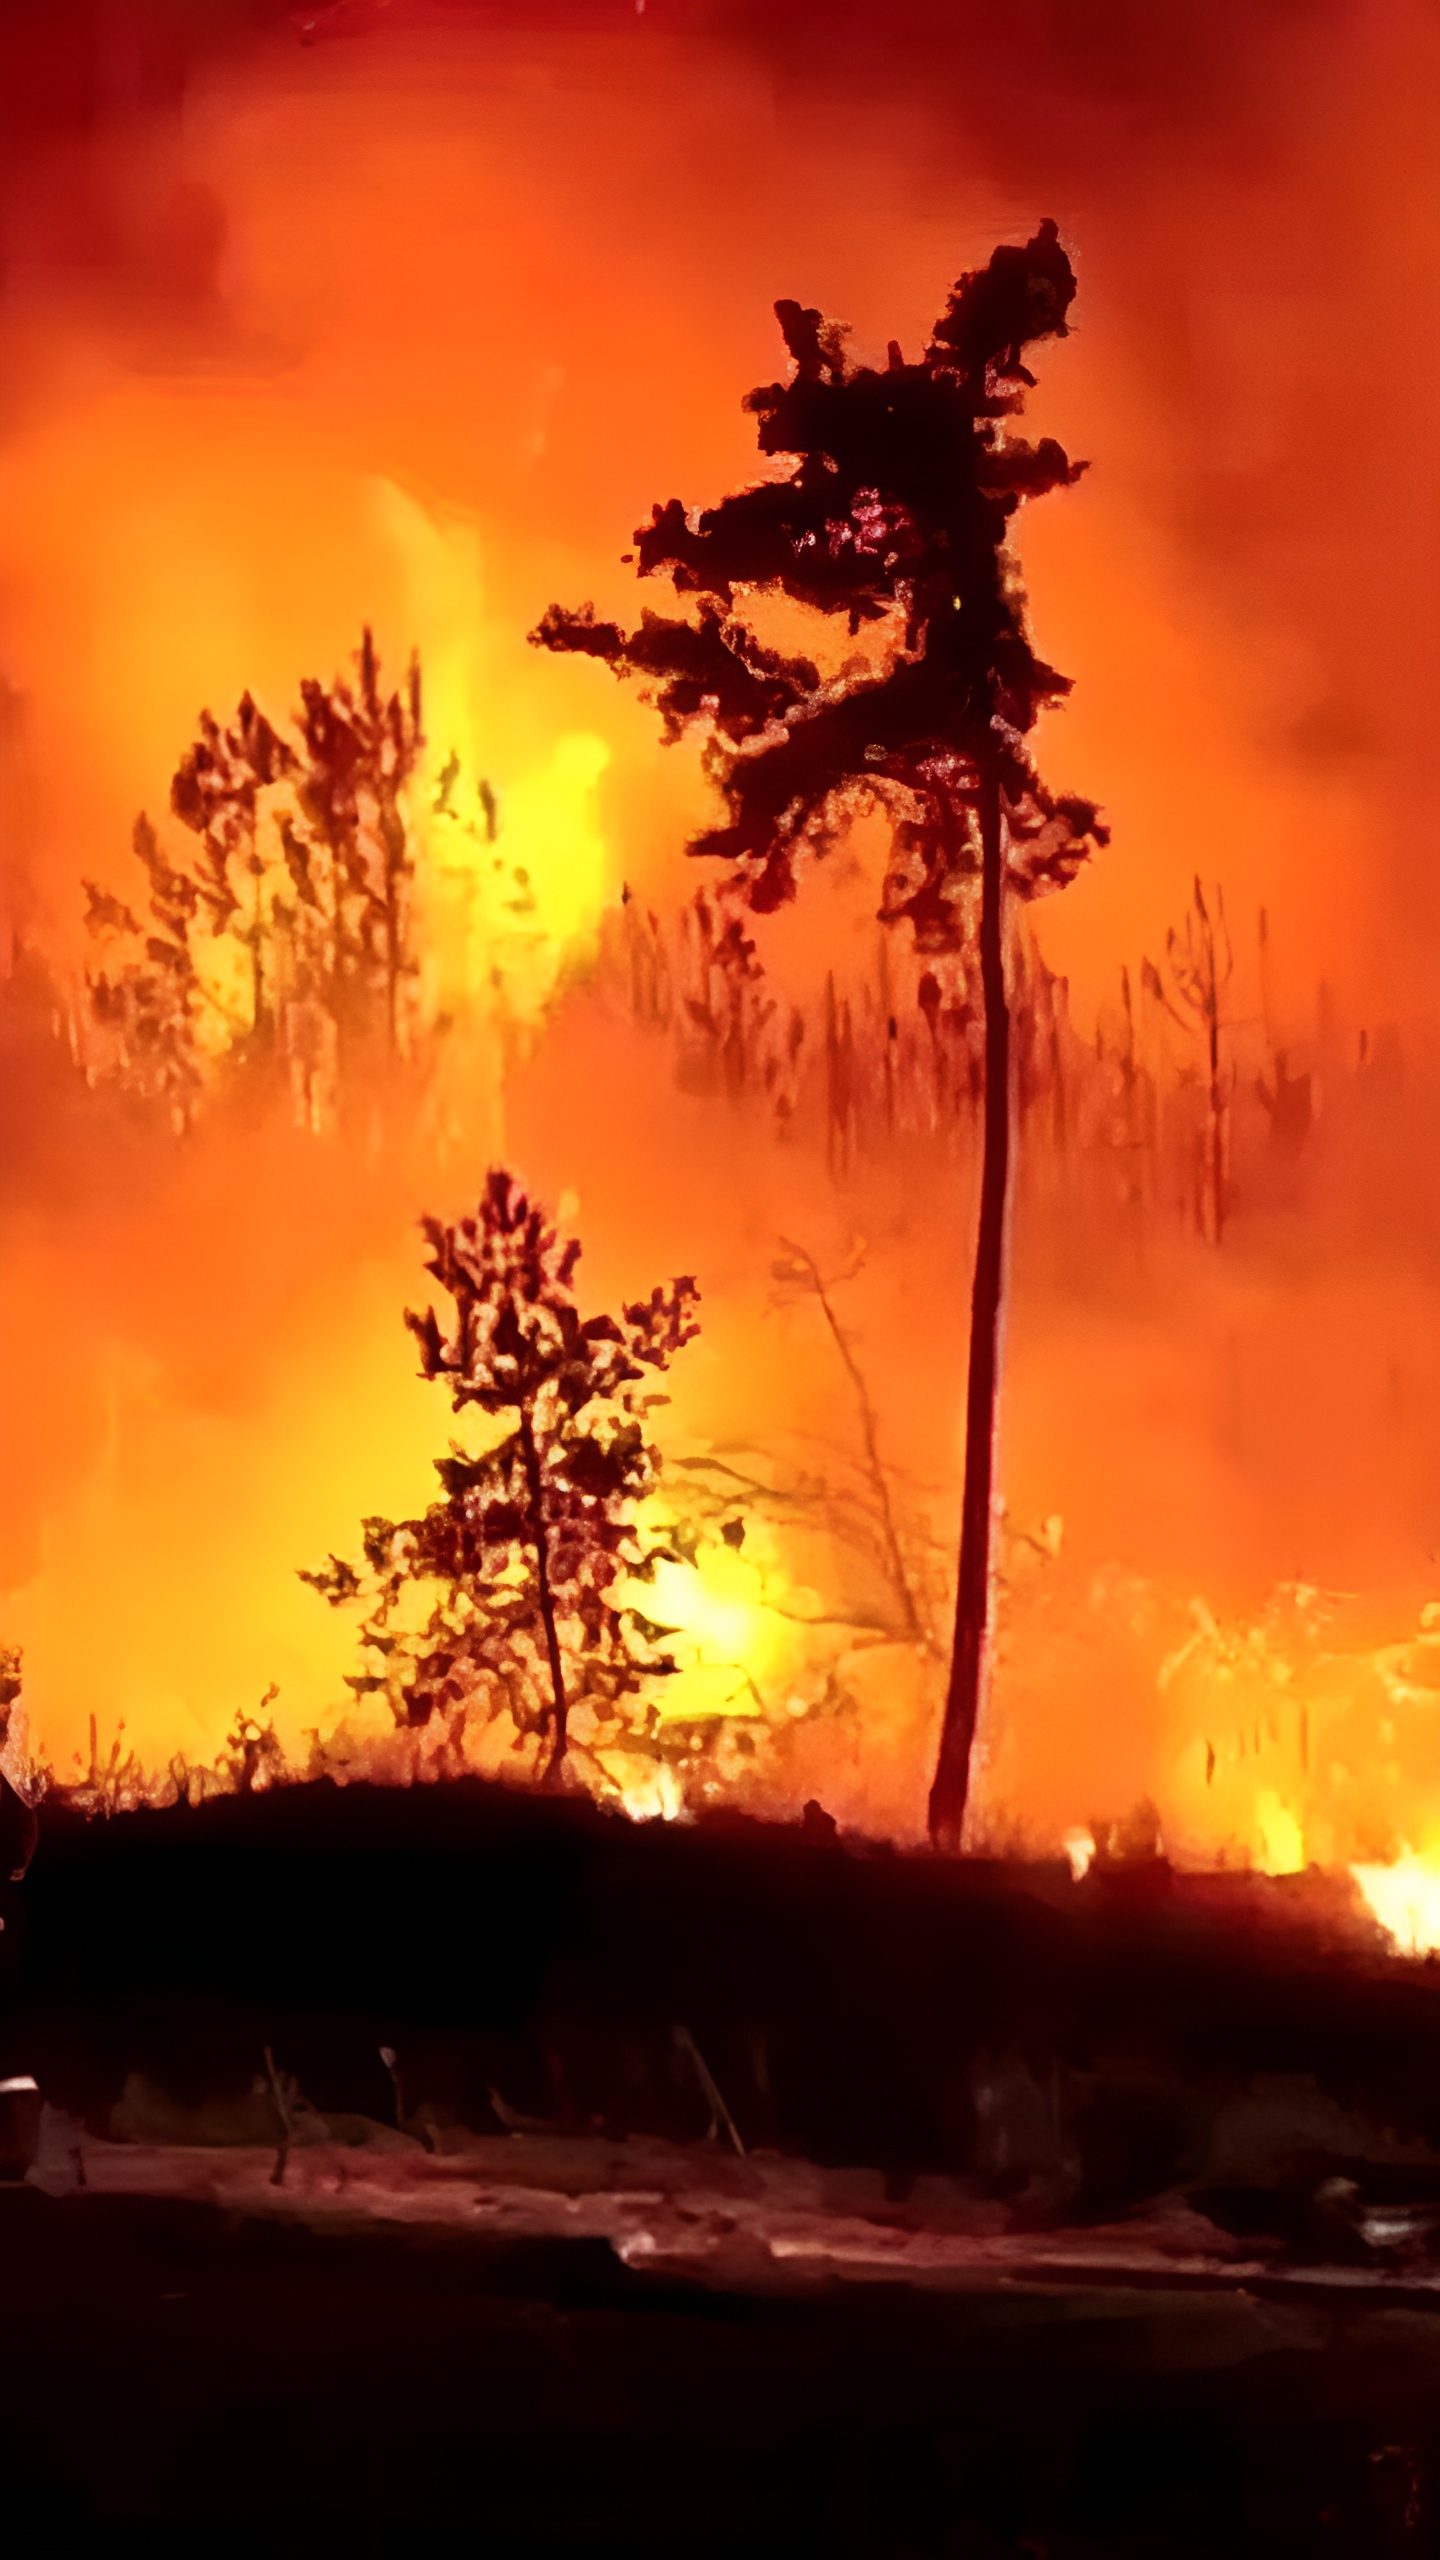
(1405, 1898)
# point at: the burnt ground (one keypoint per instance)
(1070, 2220)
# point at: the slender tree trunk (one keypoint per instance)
(1217, 1128)
(951, 1787)
(392, 982)
(531, 1456)
(339, 991)
(390, 831)
(390, 820)
(257, 933)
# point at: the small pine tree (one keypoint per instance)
(515, 1567)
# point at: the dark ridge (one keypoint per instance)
(844, 1998)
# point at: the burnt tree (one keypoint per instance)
(515, 1568)
(893, 515)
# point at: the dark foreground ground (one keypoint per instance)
(718, 2191)
(180, 2379)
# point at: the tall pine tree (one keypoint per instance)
(894, 513)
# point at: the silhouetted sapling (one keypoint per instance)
(515, 1568)
(894, 513)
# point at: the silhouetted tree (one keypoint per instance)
(519, 1559)
(303, 857)
(894, 514)
(350, 858)
(147, 996)
(216, 792)
(1201, 962)
(1131, 1127)
(727, 1003)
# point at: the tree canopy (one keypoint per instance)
(300, 877)
(893, 513)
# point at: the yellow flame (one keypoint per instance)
(512, 909)
(739, 1631)
(1281, 1839)
(648, 1788)
(725, 1638)
(1405, 1898)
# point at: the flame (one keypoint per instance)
(722, 1643)
(736, 1629)
(518, 892)
(1278, 1742)
(1405, 1898)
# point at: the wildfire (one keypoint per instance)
(205, 1381)
(1279, 1742)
